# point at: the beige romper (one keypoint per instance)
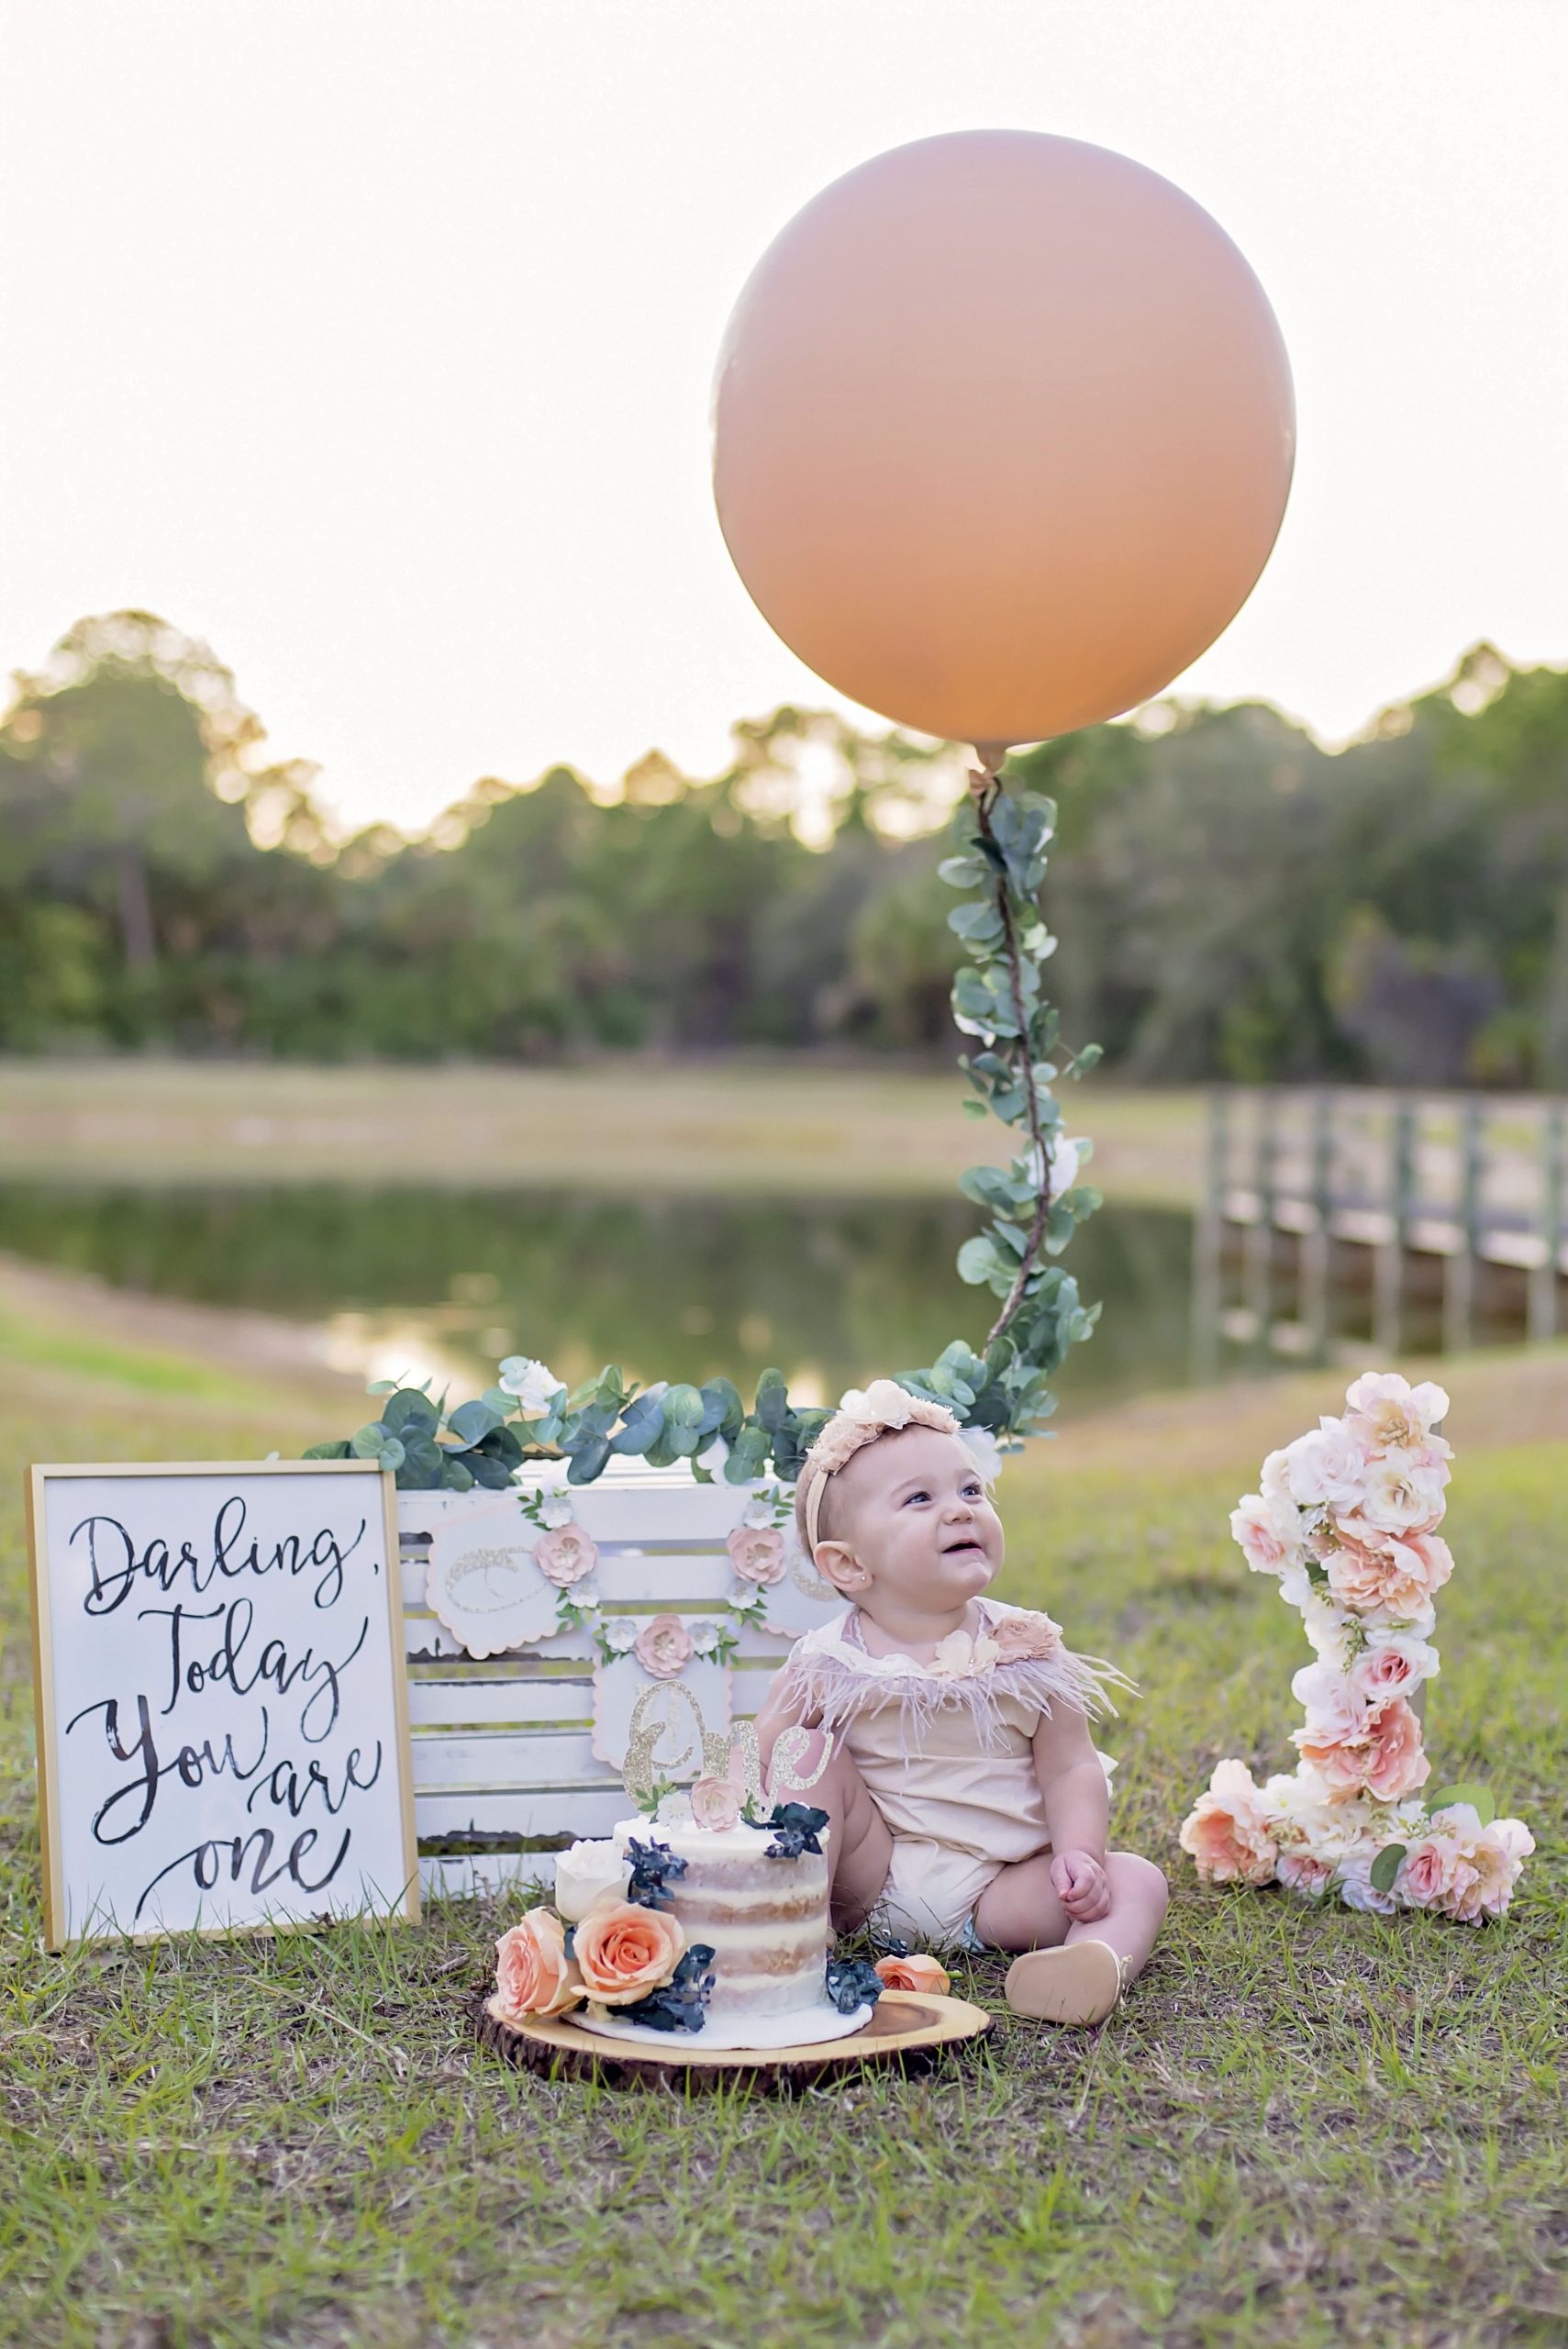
(948, 1760)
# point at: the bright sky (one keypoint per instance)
(371, 340)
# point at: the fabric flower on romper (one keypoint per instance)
(564, 1555)
(1027, 1636)
(664, 1647)
(757, 1554)
(533, 1974)
(958, 1657)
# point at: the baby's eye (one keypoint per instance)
(915, 1497)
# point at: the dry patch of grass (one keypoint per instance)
(1305, 2127)
(780, 1124)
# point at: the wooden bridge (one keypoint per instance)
(1445, 1185)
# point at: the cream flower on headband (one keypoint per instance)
(861, 1417)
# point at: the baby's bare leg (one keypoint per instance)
(1019, 1910)
(859, 1847)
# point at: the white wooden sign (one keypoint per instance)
(223, 1738)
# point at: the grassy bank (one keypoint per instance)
(782, 1126)
(1306, 2126)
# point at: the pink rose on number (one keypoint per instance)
(624, 1951)
(715, 1804)
(757, 1554)
(565, 1554)
(1428, 1872)
(533, 1974)
(1025, 1638)
(1226, 1832)
(663, 1647)
(1396, 1765)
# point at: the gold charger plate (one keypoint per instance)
(910, 2028)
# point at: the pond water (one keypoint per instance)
(407, 1279)
(404, 1280)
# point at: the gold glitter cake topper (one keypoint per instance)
(667, 1709)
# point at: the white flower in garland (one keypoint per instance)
(619, 1633)
(534, 1385)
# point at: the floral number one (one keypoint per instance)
(1347, 1522)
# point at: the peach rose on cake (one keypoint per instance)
(757, 1554)
(1226, 1832)
(914, 1972)
(624, 1951)
(1027, 1636)
(663, 1647)
(533, 1974)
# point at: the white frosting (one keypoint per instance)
(689, 1842)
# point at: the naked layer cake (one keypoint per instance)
(765, 1919)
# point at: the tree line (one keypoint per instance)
(1230, 900)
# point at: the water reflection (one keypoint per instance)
(404, 1279)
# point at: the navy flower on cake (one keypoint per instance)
(852, 1983)
(651, 1864)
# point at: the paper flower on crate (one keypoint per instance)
(640, 1654)
(1346, 1522)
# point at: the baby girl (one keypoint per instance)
(968, 1804)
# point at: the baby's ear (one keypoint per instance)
(837, 1563)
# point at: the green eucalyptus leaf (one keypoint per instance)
(369, 1442)
(1385, 1867)
(1480, 1800)
(773, 1398)
(589, 1463)
(341, 1450)
(473, 1421)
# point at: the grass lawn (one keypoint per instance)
(779, 1123)
(1305, 2127)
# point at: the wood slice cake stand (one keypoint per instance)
(908, 2028)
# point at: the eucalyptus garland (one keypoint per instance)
(1035, 1203)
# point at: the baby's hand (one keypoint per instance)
(1082, 1886)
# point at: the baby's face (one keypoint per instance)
(914, 1511)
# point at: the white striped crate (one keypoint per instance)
(504, 1747)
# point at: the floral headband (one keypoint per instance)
(859, 1420)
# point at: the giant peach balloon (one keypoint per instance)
(1002, 434)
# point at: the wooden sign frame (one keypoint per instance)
(57, 1934)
